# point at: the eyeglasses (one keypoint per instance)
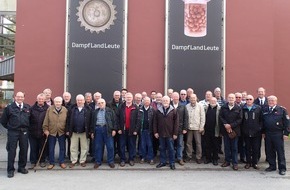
(182, 94)
(249, 99)
(238, 97)
(101, 102)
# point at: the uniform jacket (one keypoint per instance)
(232, 117)
(110, 117)
(217, 126)
(252, 121)
(15, 119)
(196, 116)
(71, 116)
(121, 118)
(140, 120)
(166, 125)
(55, 122)
(275, 122)
(37, 115)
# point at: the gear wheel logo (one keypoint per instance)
(96, 15)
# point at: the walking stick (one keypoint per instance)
(40, 154)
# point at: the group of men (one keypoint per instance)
(176, 124)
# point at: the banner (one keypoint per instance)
(194, 50)
(95, 46)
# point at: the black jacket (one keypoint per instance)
(232, 117)
(113, 105)
(121, 118)
(183, 118)
(252, 121)
(37, 115)
(257, 102)
(151, 115)
(110, 117)
(15, 119)
(70, 119)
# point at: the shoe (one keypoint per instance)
(160, 165)
(96, 166)
(188, 160)
(23, 171)
(215, 162)
(122, 164)
(50, 166)
(206, 161)
(63, 166)
(221, 152)
(112, 165)
(42, 164)
(235, 167)
(198, 161)
(72, 165)
(225, 164)
(32, 166)
(151, 162)
(243, 161)
(10, 174)
(282, 172)
(131, 163)
(247, 166)
(83, 164)
(180, 162)
(269, 169)
(255, 166)
(172, 166)
(142, 161)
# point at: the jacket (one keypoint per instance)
(217, 126)
(166, 125)
(55, 122)
(275, 122)
(110, 117)
(252, 121)
(113, 105)
(121, 118)
(71, 116)
(196, 116)
(15, 119)
(140, 120)
(233, 117)
(37, 115)
(183, 118)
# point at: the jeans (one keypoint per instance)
(61, 143)
(231, 150)
(15, 136)
(179, 147)
(146, 145)
(102, 138)
(130, 140)
(166, 143)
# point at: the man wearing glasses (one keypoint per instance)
(183, 101)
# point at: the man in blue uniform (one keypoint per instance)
(276, 121)
(15, 119)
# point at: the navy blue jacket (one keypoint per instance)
(252, 121)
(37, 115)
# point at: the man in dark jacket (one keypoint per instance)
(230, 120)
(183, 126)
(78, 128)
(127, 128)
(36, 135)
(165, 128)
(15, 119)
(145, 124)
(251, 129)
(276, 130)
(103, 129)
(66, 102)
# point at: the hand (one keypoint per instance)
(184, 131)
(285, 137)
(120, 132)
(46, 132)
(174, 137)
(156, 135)
(92, 135)
(228, 126)
(263, 136)
(67, 133)
(134, 133)
(201, 131)
(113, 133)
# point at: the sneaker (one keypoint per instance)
(122, 164)
(131, 163)
(142, 161)
(42, 164)
(151, 162)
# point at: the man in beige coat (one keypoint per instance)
(54, 128)
(196, 119)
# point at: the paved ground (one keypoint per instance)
(144, 176)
